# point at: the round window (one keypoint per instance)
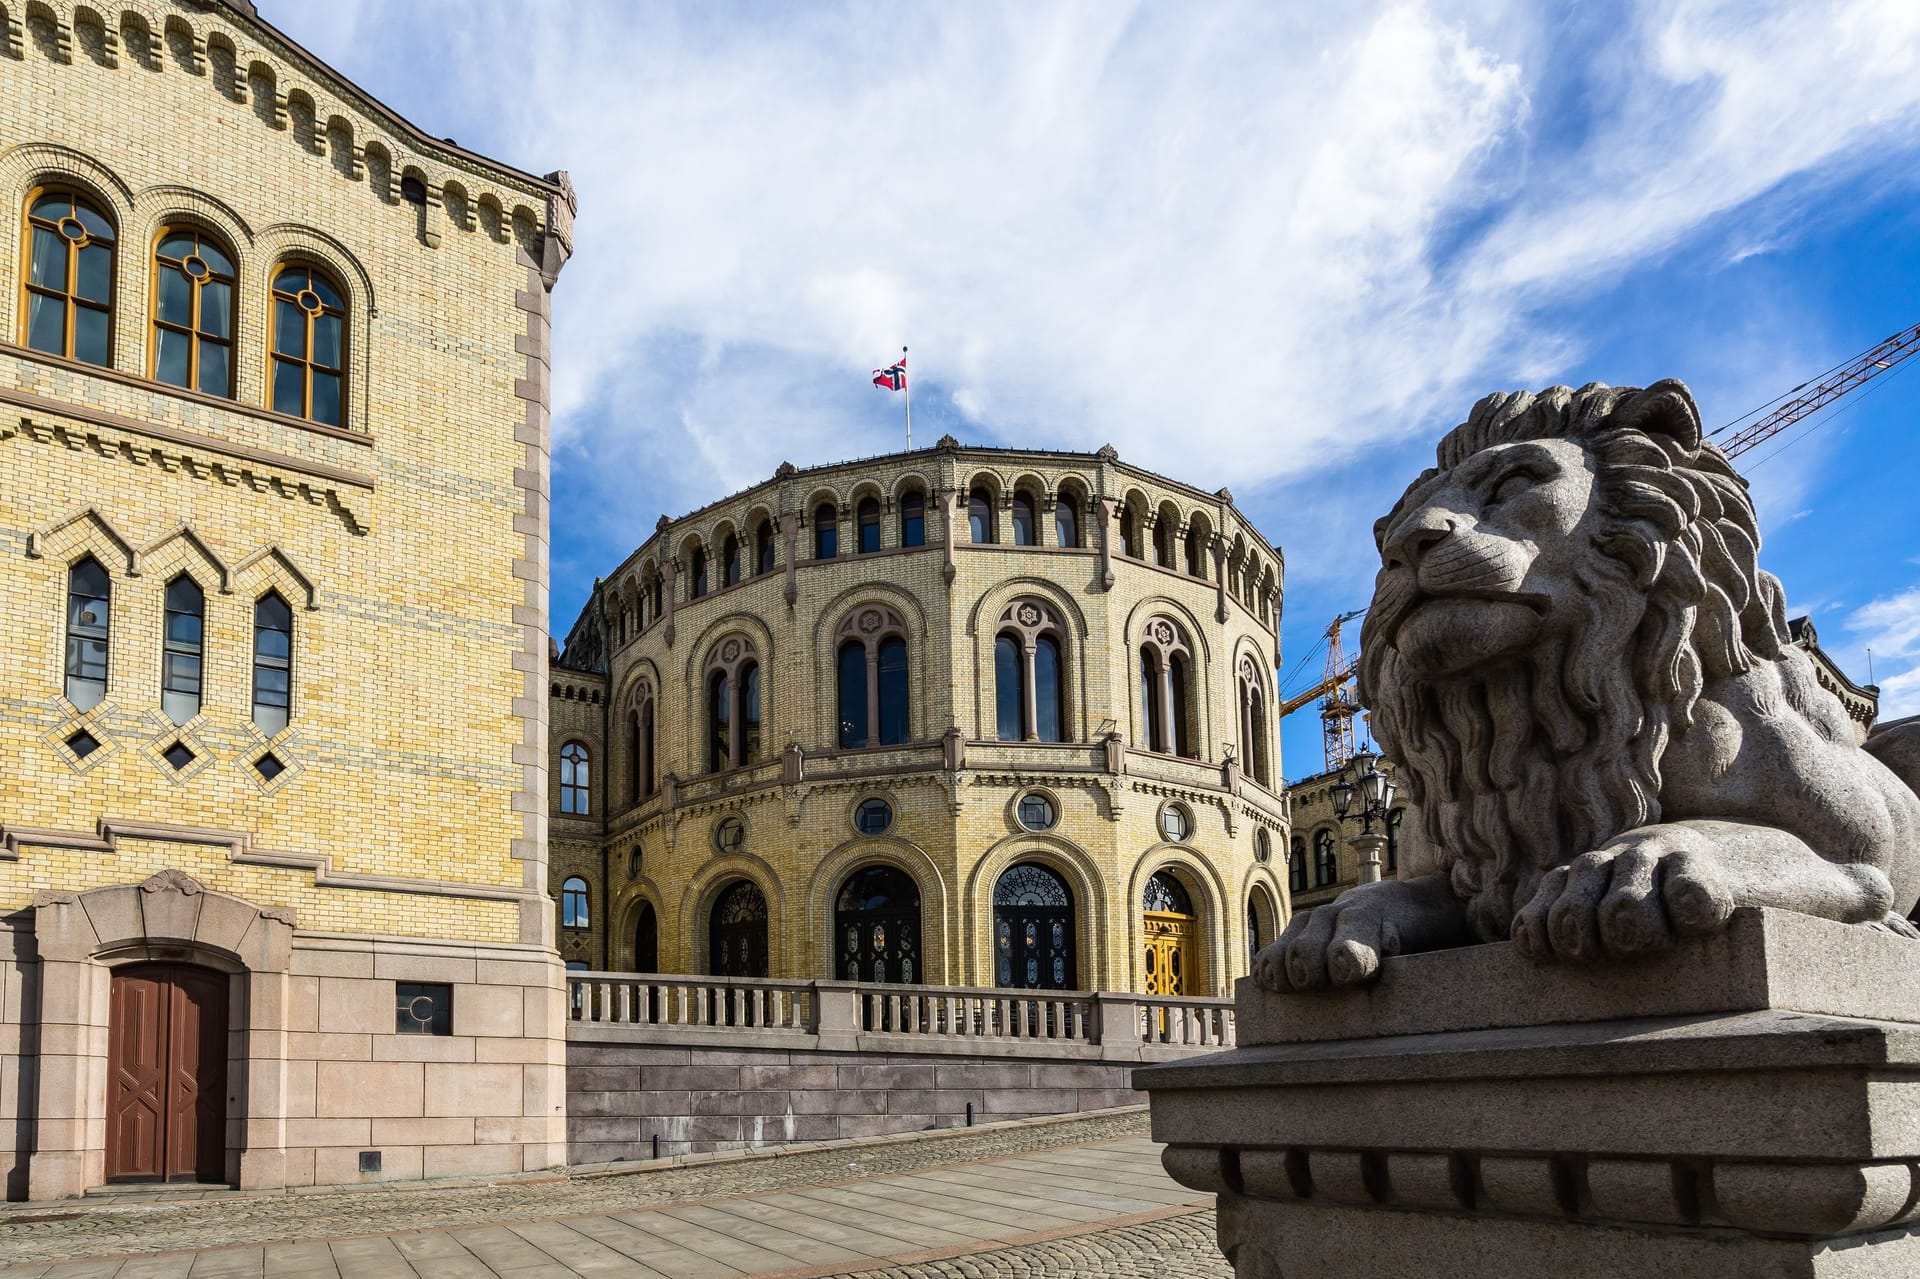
(1262, 845)
(1175, 824)
(1036, 812)
(730, 835)
(873, 817)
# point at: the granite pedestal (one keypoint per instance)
(1743, 1105)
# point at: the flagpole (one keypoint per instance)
(906, 384)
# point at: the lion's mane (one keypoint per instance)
(1526, 763)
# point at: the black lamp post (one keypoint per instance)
(1375, 790)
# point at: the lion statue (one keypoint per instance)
(1586, 682)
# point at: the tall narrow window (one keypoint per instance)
(913, 518)
(730, 561)
(573, 903)
(750, 713)
(1023, 526)
(69, 280)
(869, 525)
(1168, 694)
(893, 691)
(1179, 681)
(1066, 521)
(719, 722)
(192, 312)
(698, 573)
(733, 704)
(89, 601)
(649, 769)
(1129, 532)
(575, 788)
(763, 547)
(980, 514)
(1153, 730)
(1164, 530)
(1196, 562)
(826, 531)
(1297, 866)
(182, 648)
(309, 346)
(1326, 867)
(659, 597)
(1048, 696)
(1394, 818)
(272, 663)
(1009, 687)
(640, 743)
(852, 667)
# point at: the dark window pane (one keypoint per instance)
(853, 694)
(1008, 663)
(216, 378)
(96, 225)
(1066, 523)
(979, 517)
(176, 298)
(869, 536)
(170, 357)
(423, 1008)
(89, 335)
(216, 259)
(94, 279)
(49, 269)
(270, 685)
(913, 531)
(53, 207)
(177, 245)
(289, 388)
(326, 398)
(291, 280)
(289, 328)
(216, 308)
(893, 692)
(87, 658)
(328, 294)
(326, 340)
(1022, 520)
(750, 714)
(46, 324)
(1046, 689)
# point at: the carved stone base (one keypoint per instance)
(1744, 1105)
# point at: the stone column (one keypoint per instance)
(1369, 846)
(790, 532)
(670, 574)
(1104, 505)
(1219, 549)
(949, 501)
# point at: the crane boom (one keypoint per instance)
(1336, 715)
(1805, 399)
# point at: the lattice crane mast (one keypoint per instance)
(1811, 397)
(1341, 704)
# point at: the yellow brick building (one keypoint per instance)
(955, 716)
(273, 823)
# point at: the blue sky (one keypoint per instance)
(1278, 248)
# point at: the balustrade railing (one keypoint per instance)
(1198, 1023)
(652, 999)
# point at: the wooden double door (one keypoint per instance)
(1170, 953)
(167, 1074)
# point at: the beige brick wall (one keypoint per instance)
(1311, 800)
(955, 829)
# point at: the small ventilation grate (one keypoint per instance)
(83, 744)
(269, 766)
(178, 755)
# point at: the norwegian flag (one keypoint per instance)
(893, 377)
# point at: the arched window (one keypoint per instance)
(869, 511)
(1066, 520)
(1297, 865)
(876, 927)
(737, 932)
(89, 610)
(1326, 868)
(192, 312)
(1165, 529)
(871, 665)
(1023, 523)
(980, 515)
(272, 663)
(309, 345)
(182, 649)
(733, 704)
(697, 572)
(573, 903)
(646, 940)
(1394, 818)
(826, 531)
(1033, 930)
(1129, 532)
(730, 561)
(1196, 551)
(640, 717)
(1029, 673)
(913, 518)
(659, 597)
(68, 304)
(1253, 721)
(763, 547)
(575, 788)
(1169, 707)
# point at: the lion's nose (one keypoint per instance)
(1414, 539)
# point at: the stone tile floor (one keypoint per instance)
(1083, 1197)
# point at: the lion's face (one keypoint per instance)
(1476, 562)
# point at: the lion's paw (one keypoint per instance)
(1632, 897)
(1338, 944)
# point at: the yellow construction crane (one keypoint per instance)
(1336, 686)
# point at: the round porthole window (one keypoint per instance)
(730, 836)
(873, 817)
(1036, 811)
(1176, 823)
(1262, 846)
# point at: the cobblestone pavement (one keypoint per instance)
(1072, 1177)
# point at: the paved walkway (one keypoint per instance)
(960, 1206)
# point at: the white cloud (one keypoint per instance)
(1890, 628)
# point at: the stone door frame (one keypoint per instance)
(170, 918)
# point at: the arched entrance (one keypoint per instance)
(167, 1074)
(876, 927)
(737, 932)
(1033, 930)
(1171, 931)
(646, 941)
